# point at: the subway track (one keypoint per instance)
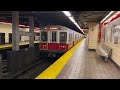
(34, 71)
(30, 72)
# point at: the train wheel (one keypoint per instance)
(54, 55)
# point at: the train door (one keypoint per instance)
(44, 40)
(63, 40)
(10, 37)
(53, 45)
(2, 38)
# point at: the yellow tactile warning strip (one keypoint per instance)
(10, 45)
(52, 71)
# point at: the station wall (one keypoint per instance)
(111, 37)
(7, 28)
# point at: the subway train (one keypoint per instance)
(56, 39)
(6, 33)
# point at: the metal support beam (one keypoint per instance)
(15, 30)
(31, 30)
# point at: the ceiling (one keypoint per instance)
(82, 17)
(43, 18)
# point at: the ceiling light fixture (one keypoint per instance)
(69, 15)
(107, 16)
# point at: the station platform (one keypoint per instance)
(82, 64)
(2, 46)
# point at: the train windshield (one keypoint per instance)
(44, 36)
(63, 36)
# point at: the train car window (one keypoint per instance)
(53, 36)
(43, 36)
(69, 37)
(63, 36)
(75, 36)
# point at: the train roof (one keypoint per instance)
(54, 27)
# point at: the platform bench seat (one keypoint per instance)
(104, 51)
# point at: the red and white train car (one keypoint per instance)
(58, 39)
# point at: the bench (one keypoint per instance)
(104, 51)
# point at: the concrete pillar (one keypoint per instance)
(31, 30)
(15, 30)
(93, 34)
(1, 66)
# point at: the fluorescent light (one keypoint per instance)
(107, 16)
(67, 13)
(113, 16)
(72, 19)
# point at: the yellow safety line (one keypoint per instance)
(10, 45)
(52, 71)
